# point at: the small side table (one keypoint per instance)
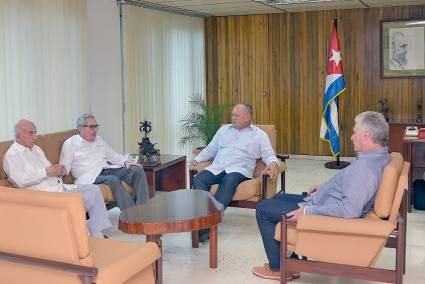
(414, 152)
(168, 176)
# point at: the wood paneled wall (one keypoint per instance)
(277, 63)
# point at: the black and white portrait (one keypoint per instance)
(406, 48)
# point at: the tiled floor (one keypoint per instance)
(240, 247)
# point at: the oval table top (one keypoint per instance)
(182, 210)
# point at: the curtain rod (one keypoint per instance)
(160, 7)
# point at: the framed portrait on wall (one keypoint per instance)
(403, 48)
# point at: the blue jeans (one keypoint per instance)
(268, 213)
(227, 184)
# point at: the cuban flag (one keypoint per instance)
(335, 85)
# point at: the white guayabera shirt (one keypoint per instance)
(85, 160)
(237, 150)
(26, 168)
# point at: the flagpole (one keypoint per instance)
(338, 164)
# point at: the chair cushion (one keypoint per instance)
(271, 132)
(118, 261)
(3, 149)
(259, 168)
(107, 192)
(245, 190)
(388, 185)
(53, 144)
(72, 204)
(291, 234)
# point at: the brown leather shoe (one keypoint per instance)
(269, 274)
(294, 275)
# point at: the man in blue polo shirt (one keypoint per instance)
(349, 194)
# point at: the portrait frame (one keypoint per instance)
(403, 48)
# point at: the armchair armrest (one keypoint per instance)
(358, 226)
(86, 273)
(280, 170)
(283, 158)
(200, 166)
(194, 170)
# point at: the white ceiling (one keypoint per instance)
(247, 7)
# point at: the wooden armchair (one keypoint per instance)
(351, 247)
(44, 240)
(261, 186)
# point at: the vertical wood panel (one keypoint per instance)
(285, 56)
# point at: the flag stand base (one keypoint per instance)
(336, 165)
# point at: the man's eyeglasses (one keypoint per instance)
(92, 127)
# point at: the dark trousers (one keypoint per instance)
(268, 213)
(227, 184)
(134, 176)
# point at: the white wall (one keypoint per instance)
(105, 69)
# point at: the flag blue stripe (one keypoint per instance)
(333, 90)
(331, 94)
(331, 132)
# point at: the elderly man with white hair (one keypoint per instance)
(26, 166)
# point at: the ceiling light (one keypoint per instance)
(285, 2)
(415, 23)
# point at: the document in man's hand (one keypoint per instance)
(134, 158)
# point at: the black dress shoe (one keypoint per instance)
(204, 235)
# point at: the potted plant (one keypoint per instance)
(201, 124)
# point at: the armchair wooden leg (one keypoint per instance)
(86, 279)
(192, 174)
(404, 213)
(195, 239)
(283, 158)
(400, 261)
(283, 250)
(264, 186)
(282, 182)
(158, 262)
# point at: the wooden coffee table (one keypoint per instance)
(183, 210)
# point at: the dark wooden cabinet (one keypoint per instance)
(167, 176)
(397, 128)
(414, 152)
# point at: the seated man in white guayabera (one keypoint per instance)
(91, 160)
(27, 167)
(235, 149)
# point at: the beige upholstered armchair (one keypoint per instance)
(44, 240)
(249, 192)
(351, 247)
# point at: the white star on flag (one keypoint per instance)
(336, 56)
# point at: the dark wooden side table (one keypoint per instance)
(397, 129)
(414, 152)
(172, 212)
(169, 175)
